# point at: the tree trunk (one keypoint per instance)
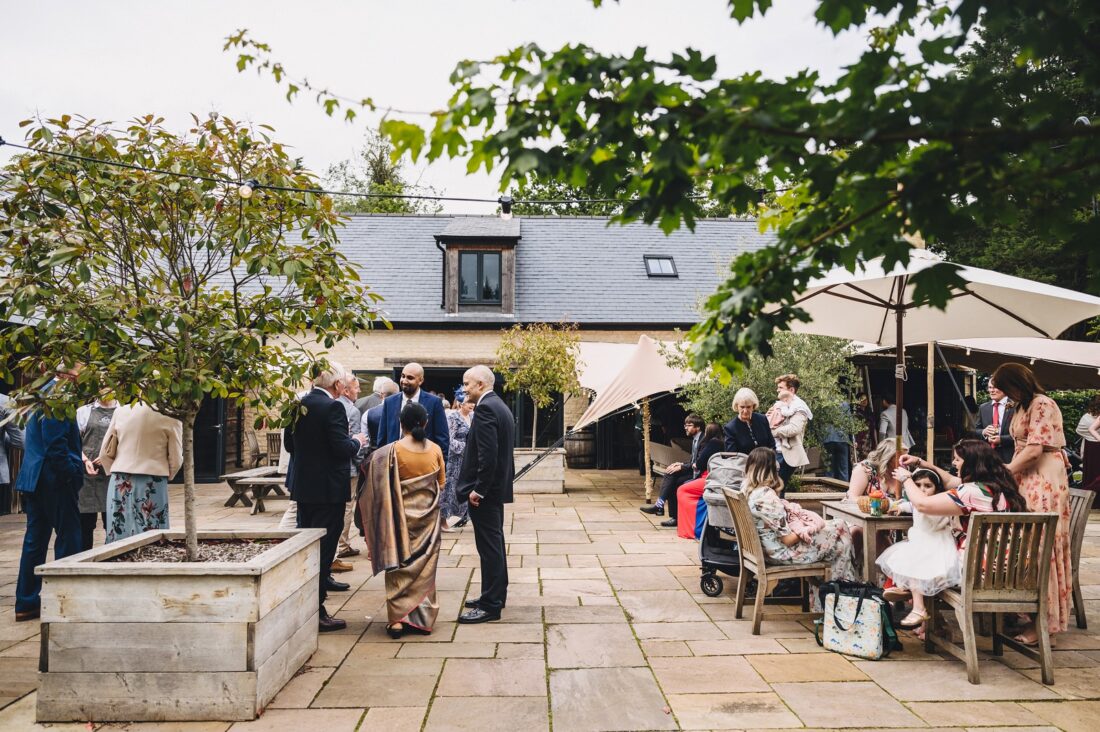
(190, 527)
(535, 426)
(647, 419)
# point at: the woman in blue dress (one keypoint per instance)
(456, 513)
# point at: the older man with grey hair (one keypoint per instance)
(383, 386)
(321, 451)
(485, 480)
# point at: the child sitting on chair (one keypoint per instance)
(927, 562)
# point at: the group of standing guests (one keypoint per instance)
(404, 487)
(112, 463)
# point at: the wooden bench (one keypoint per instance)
(262, 487)
(662, 456)
(240, 492)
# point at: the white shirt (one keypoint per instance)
(405, 399)
(1002, 405)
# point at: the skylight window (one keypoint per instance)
(660, 266)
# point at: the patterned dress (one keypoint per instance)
(832, 543)
(450, 505)
(136, 503)
(1045, 487)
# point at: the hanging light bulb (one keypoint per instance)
(246, 188)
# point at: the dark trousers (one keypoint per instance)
(330, 517)
(669, 485)
(50, 509)
(87, 528)
(785, 470)
(488, 521)
(838, 460)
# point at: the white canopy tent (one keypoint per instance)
(643, 373)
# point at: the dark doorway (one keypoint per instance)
(210, 441)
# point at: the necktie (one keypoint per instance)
(997, 415)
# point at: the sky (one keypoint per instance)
(115, 60)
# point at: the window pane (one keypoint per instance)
(490, 285)
(467, 276)
(666, 266)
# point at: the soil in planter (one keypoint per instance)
(210, 550)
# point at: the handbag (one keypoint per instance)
(856, 621)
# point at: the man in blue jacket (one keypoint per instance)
(49, 479)
(412, 376)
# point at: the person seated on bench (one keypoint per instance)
(689, 497)
(678, 473)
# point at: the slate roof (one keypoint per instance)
(578, 269)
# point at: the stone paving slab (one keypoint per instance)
(606, 629)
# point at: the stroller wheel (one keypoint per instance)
(711, 585)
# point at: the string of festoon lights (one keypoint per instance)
(247, 187)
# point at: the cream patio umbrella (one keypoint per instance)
(876, 306)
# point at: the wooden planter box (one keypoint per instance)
(546, 477)
(153, 641)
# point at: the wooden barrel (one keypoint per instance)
(580, 449)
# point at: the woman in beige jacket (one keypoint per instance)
(141, 451)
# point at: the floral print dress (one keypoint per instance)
(136, 503)
(1045, 487)
(449, 504)
(832, 543)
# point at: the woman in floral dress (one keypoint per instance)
(141, 451)
(1040, 469)
(831, 543)
(458, 423)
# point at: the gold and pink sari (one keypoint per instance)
(401, 522)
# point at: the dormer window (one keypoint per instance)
(660, 266)
(479, 278)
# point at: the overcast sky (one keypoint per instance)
(120, 59)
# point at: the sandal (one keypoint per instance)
(1031, 643)
(913, 620)
(896, 594)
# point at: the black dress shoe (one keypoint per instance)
(653, 510)
(670, 523)
(472, 603)
(333, 586)
(479, 615)
(327, 624)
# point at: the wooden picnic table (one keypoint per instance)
(262, 487)
(240, 492)
(871, 525)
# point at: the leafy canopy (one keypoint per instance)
(900, 143)
(373, 170)
(169, 289)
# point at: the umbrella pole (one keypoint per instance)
(899, 380)
(930, 442)
(645, 437)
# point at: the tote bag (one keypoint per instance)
(857, 621)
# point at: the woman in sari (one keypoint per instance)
(399, 508)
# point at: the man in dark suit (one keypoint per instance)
(412, 376)
(321, 451)
(50, 479)
(485, 480)
(677, 474)
(994, 419)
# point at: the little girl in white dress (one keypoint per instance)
(927, 562)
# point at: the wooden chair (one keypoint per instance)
(274, 447)
(256, 458)
(1006, 567)
(753, 562)
(1080, 503)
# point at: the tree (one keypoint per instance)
(171, 284)
(900, 143)
(821, 364)
(541, 360)
(374, 171)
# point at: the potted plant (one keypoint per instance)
(540, 360)
(175, 268)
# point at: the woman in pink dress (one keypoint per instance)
(1040, 470)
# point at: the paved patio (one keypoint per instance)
(606, 629)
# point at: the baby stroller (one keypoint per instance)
(718, 550)
(718, 544)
